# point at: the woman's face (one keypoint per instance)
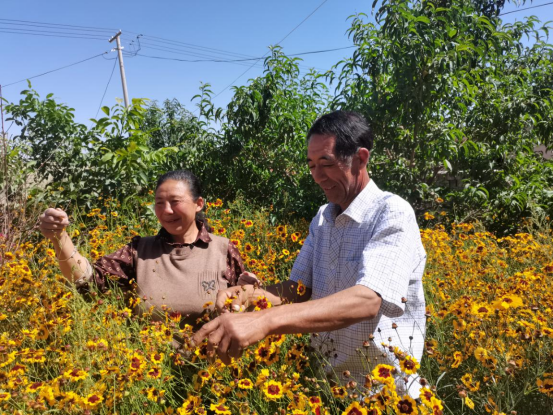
(175, 208)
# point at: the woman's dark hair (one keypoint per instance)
(351, 130)
(194, 186)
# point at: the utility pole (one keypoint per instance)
(121, 67)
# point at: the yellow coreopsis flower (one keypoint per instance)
(273, 390)
(355, 409)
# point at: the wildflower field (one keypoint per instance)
(488, 348)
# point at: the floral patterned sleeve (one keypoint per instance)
(235, 267)
(118, 266)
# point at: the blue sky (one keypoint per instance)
(244, 27)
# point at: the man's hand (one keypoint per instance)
(53, 222)
(229, 334)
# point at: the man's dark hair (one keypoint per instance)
(351, 130)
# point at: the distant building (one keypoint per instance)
(547, 154)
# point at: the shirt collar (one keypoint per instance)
(358, 207)
(203, 235)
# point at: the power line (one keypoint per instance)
(17, 30)
(208, 57)
(211, 58)
(48, 26)
(302, 22)
(189, 45)
(242, 60)
(526, 8)
(282, 40)
(197, 51)
(176, 48)
(89, 37)
(54, 70)
(146, 45)
(59, 24)
(157, 43)
(107, 86)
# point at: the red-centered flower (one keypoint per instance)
(33, 387)
(20, 369)
(154, 373)
(437, 407)
(273, 390)
(75, 374)
(157, 357)
(245, 384)
(220, 408)
(136, 363)
(407, 406)
(93, 400)
(315, 401)
(426, 396)
(262, 303)
(339, 392)
(301, 288)
(355, 409)
(409, 365)
(383, 373)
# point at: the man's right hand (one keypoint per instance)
(53, 222)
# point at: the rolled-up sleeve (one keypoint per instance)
(303, 266)
(235, 266)
(118, 267)
(391, 256)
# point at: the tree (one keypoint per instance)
(262, 149)
(78, 164)
(458, 103)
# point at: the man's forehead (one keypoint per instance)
(321, 147)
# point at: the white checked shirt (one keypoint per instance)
(376, 243)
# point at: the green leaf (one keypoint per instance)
(106, 157)
(423, 19)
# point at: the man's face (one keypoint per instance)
(339, 179)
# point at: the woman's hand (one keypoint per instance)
(249, 278)
(52, 223)
(234, 299)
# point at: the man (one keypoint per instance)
(361, 266)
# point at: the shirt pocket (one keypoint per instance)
(208, 285)
(350, 273)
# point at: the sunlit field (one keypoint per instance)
(488, 347)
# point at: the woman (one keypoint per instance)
(179, 270)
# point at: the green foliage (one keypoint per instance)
(458, 101)
(50, 139)
(78, 164)
(172, 125)
(262, 142)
